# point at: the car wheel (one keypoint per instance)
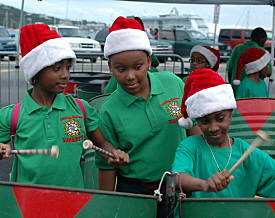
(93, 60)
(12, 58)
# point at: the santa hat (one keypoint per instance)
(205, 92)
(40, 48)
(126, 35)
(211, 55)
(253, 60)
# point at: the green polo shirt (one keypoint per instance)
(147, 130)
(41, 128)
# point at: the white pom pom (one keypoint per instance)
(185, 123)
(236, 82)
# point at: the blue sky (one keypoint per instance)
(107, 10)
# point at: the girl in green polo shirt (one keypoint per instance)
(141, 116)
(47, 117)
(203, 161)
(202, 56)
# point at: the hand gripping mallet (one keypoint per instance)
(54, 151)
(87, 144)
(261, 136)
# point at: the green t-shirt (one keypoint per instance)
(147, 130)
(256, 175)
(40, 128)
(250, 89)
(234, 58)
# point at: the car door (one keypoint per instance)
(236, 38)
(182, 43)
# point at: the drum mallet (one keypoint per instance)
(261, 136)
(54, 151)
(87, 144)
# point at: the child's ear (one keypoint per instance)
(110, 66)
(149, 60)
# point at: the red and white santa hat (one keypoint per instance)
(253, 60)
(211, 55)
(126, 35)
(40, 48)
(205, 92)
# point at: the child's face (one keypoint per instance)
(264, 72)
(54, 79)
(198, 61)
(130, 70)
(215, 127)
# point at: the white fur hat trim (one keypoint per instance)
(126, 40)
(44, 55)
(258, 65)
(185, 123)
(210, 100)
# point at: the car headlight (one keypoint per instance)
(74, 45)
(0, 43)
(97, 45)
(153, 47)
(11, 43)
(228, 48)
(215, 47)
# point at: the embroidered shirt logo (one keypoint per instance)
(173, 109)
(72, 128)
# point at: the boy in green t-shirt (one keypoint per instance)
(255, 61)
(47, 117)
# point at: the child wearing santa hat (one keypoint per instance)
(141, 116)
(255, 61)
(47, 117)
(203, 161)
(112, 84)
(202, 56)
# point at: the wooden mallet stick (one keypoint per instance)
(87, 144)
(261, 136)
(54, 151)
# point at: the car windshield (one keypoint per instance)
(197, 35)
(71, 32)
(4, 33)
(149, 35)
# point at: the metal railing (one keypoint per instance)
(13, 84)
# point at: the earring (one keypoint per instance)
(230, 119)
(33, 81)
(149, 68)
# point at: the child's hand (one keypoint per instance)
(120, 159)
(7, 149)
(217, 182)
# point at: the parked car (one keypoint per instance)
(184, 40)
(234, 37)
(157, 46)
(78, 41)
(7, 42)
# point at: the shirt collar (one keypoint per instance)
(155, 89)
(31, 105)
